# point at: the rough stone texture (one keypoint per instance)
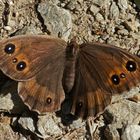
(131, 132)
(105, 21)
(20, 17)
(119, 115)
(111, 133)
(27, 123)
(48, 126)
(9, 99)
(56, 19)
(6, 133)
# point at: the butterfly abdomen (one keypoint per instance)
(69, 71)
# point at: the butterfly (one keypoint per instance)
(49, 69)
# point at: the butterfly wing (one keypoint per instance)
(37, 62)
(101, 71)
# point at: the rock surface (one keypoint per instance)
(105, 21)
(57, 20)
(131, 132)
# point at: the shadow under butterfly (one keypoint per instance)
(48, 70)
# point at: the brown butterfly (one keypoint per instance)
(46, 68)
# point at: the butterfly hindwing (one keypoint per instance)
(44, 92)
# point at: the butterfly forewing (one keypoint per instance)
(27, 55)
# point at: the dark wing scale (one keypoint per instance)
(93, 87)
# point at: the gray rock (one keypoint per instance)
(57, 20)
(6, 104)
(100, 2)
(1, 12)
(105, 37)
(110, 28)
(99, 17)
(1, 15)
(119, 114)
(123, 4)
(132, 25)
(6, 132)
(131, 132)
(80, 1)
(48, 126)
(20, 19)
(71, 5)
(113, 41)
(94, 9)
(111, 133)
(123, 112)
(27, 123)
(77, 124)
(8, 28)
(125, 95)
(114, 11)
(123, 32)
(78, 134)
(10, 100)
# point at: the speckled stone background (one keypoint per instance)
(114, 22)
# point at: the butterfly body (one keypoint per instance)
(48, 68)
